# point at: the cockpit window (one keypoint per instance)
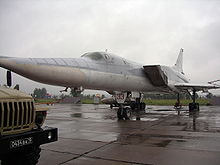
(106, 56)
(94, 56)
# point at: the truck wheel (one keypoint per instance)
(26, 157)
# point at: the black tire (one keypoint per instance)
(193, 107)
(143, 106)
(26, 157)
(133, 106)
(119, 114)
(126, 113)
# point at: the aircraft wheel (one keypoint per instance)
(126, 113)
(143, 106)
(119, 114)
(193, 107)
(133, 105)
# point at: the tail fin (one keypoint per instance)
(179, 62)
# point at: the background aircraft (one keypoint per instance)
(105, 71)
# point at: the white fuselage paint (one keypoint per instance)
(112, 74)
(118, 82)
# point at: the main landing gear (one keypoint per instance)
(193, 107)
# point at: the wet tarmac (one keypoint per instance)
(92, 135)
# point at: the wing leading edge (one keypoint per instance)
(197, 87)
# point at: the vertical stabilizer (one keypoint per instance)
(179, 62)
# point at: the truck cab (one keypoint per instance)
(21, 131)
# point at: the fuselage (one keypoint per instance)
(96, 70)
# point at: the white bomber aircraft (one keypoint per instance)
(106, 71)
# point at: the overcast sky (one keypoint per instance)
(145, 31)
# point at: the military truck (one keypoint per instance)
(21, 132)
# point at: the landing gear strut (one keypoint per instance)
(125, 112)
(193, 106)
(178, 104)
(138, 106)
(138, 102)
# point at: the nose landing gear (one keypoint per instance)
(124, 113)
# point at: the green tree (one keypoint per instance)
(209, 95)
(40, 93)
(75, 93)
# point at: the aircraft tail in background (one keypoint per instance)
(179, 62)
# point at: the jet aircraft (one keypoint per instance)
(105, 71)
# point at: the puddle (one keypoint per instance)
(147, 119)
(181, 141)
(77, 115)
(163, 143)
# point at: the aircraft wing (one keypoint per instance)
(197, 87)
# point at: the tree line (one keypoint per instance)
(42, 93)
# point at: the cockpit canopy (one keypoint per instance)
(109, 58)
(97, 56)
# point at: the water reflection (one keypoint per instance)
(77, 115)
(194, 115)
(76, 111)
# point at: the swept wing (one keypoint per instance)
(197, 87)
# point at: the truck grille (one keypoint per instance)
(16, 116)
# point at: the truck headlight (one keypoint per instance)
(49, 135)
(39, 119)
